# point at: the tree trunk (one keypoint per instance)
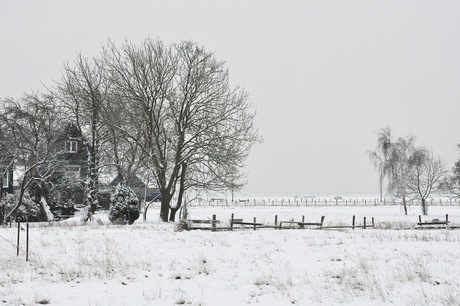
(405, 205)
(164, 208)
(172, 214)
(424, 208)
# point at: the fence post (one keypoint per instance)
(276, 221)
(364, 227)
(27, 242)
(19, 231)
(213, 223)
(254, 223)
(353, 223)
(231, 223)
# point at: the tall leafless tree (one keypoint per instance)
(399, 167)
(189, 123)
(380, 158)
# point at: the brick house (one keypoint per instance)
(74, 153)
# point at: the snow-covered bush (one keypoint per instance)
(29, 210)
(124, 205)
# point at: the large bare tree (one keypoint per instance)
(192, 127)
(32, 124)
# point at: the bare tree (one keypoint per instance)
(399, 167)
(32, 124)
(83, 94)
(425, 173)
(451, 183)
(380, 158)
(183, 115)
(7, 156)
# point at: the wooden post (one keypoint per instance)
(19, 231)
(353, 223)
(276, 221)
(214, 222)
(303, 220)
(254, 223)
(231, 223)
(419, 219)
(322, 220)
(373, 224)
(27, 242)
(364, 223)
(447, 219)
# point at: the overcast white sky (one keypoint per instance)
(324, 76)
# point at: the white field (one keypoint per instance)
(149, 263)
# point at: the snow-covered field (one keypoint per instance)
(149, 263)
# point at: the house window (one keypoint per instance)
(73, 171)
(71, 146)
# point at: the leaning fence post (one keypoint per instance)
(322, 220)
(19, 231)
(27, 242)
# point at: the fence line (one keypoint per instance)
(323, 202)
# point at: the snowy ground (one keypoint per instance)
(150, 263)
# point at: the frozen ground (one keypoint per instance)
(150, 263)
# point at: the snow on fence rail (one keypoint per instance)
(322, 202)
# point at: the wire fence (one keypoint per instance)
(322, 202)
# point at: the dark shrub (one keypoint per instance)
(124, 205)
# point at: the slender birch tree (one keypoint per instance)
(380, 158)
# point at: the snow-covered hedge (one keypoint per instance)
(124, 205)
